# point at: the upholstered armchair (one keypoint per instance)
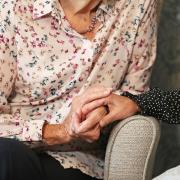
(131, 149)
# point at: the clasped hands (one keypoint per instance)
(90, 112)
(94, 109)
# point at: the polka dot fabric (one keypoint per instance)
(161, 104)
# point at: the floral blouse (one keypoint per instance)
(44, 63)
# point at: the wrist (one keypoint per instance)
(134, 101)
(134, 105)
(55, 134)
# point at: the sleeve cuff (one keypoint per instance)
(144, 100)
(32, 130)
(118, 92)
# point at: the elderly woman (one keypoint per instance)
(55, 58)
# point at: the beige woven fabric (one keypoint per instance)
(131, 149)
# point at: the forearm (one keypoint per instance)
(13, 126)
(55, 134)
(163, 105)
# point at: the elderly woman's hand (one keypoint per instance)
(65, 132)
(92, 120)
(76, 118)
(119, 108)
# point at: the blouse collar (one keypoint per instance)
(45, 7)
(42, 8)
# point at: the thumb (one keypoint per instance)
(109, 118)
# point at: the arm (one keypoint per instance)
(163, 105)
(143, 55)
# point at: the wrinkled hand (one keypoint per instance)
(76, 118)
(119, 108)
(89, 129)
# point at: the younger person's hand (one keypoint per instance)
(119, 108)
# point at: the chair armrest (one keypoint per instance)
(131, 149)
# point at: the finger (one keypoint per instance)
(88, 124)
(92, 134)
(76, 120)
(95, 95)
(87, 108)
(88, 140)
(88, 135)
(91, 121)
(109, 118)
(91, 131)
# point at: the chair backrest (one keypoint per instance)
(160, 4)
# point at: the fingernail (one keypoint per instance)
(89, 141)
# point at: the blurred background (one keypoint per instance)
(167, 75)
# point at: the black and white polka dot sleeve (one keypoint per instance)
(161, 104)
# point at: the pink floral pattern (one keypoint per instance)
(44, 63)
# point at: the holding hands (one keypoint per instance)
(90, 112)
(77, 118)
(96, 108)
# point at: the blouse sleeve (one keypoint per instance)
(163, 105)
(12, 125)
(143, 55)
